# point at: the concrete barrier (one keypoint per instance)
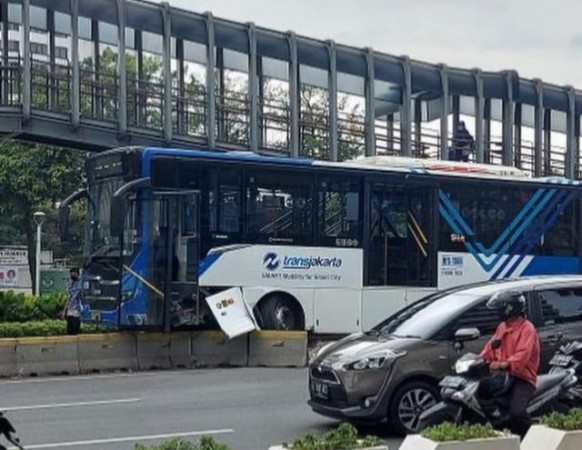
(153, 351)
(181, 350)
(278, 349)
(47, 355)
(214, 349)
(8, 358)
(107, 352)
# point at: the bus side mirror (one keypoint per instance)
(117, 216)
(64, 212)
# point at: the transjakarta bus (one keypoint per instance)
(323, 246)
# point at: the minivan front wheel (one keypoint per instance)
(408, 403)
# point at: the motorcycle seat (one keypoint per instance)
(548, 381)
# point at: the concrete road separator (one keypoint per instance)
(181, 350)
(214, 349)
(8, 358)
(107, 352)
(56, 355)
(278, 349)
(153, 351)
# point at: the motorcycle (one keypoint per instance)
(569, 356)
(8, 431)
(461, 401)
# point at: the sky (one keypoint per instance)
(538, 38)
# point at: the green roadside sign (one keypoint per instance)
(53, 280)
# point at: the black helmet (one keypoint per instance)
(508, 304)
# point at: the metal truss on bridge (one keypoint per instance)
(97, 74)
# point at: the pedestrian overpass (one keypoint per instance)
(96, 74)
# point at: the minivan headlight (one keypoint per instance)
(376, 360)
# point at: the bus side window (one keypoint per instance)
(339, 212)
(279, 207)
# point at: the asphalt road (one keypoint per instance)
(249, 409)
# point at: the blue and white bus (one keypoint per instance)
(323, 246)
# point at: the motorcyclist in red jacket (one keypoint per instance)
(515, 347)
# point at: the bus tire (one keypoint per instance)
(281, 312)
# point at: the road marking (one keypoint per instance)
(126, 439)
(91, 377)
(69, 405)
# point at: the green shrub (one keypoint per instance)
(446, 432)
(41, 328)
(345, 437)
(571, 421)
(206, 443)
(22, 308)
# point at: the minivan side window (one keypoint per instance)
(561, 305)
(480, 317)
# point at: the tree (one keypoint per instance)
(33, 177)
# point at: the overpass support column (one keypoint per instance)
(5, 88)
(167, 42)
(210, 83)
(445, 106)
(75, 81)
(293, 95)
(479, 118)
(405, 115)
(507, 149)
(332, 89)
(26, 63)
(571, 167)
(121, 71)
(370, 119)
(538, 130)
(253, 89)
(518, 162)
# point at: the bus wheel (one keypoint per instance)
(281, 312)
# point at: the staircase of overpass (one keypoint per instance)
(97, 74)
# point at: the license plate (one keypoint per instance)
(561, 360)
(452, 382)
(320, 390)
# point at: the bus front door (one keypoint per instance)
(181, 219)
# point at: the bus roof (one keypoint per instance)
(396, 164)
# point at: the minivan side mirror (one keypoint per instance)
(467, 334)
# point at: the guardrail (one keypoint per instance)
(70, 355)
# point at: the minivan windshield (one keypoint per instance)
(427, 316)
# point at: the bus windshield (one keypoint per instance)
(98, 238)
